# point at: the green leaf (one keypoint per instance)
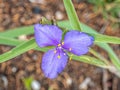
(22, 48)
(111, 54)
(18, 31)
(84, 28)
(15, 42)
(106, 39)
(90, 60)
(9, 41)
(27, 82)
(74, 21)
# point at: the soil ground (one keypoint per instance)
(17, 13)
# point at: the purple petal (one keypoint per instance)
(47, 35)
(54, 63)
(77, 42)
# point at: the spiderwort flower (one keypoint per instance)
(55, 60)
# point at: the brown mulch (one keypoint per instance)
(16, 13)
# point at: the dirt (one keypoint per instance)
(17, 13)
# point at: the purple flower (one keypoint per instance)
(55, 60)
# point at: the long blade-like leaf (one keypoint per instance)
(18, 31)
(90, 60)
(9, 41)
(74, 21)
(106, 39)
(22, 48)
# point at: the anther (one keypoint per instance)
(58, 57)
(70, 49)
(71, 57)
(59, 45)
(62, 43)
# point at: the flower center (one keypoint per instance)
(60, 45)
(58, 48)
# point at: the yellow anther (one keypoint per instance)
(58, 57)
(71, 57)
(70, 49)
(59, 45)
(55, 51)
(62, 43)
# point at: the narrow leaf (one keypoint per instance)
(15, 42)
(106, 39)
(18, 31)
(9, 41)
(22, 48)
(74, 21)
(90, 60)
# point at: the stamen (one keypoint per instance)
(59, 45)
(62, 43)
(70, 49)
(71, 57)
(58, 57)
(55, 51)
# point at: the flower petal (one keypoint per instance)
(53, 63)
(77, 42)
(47, 35)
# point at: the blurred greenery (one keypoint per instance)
(110, 9)
(27, 82)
